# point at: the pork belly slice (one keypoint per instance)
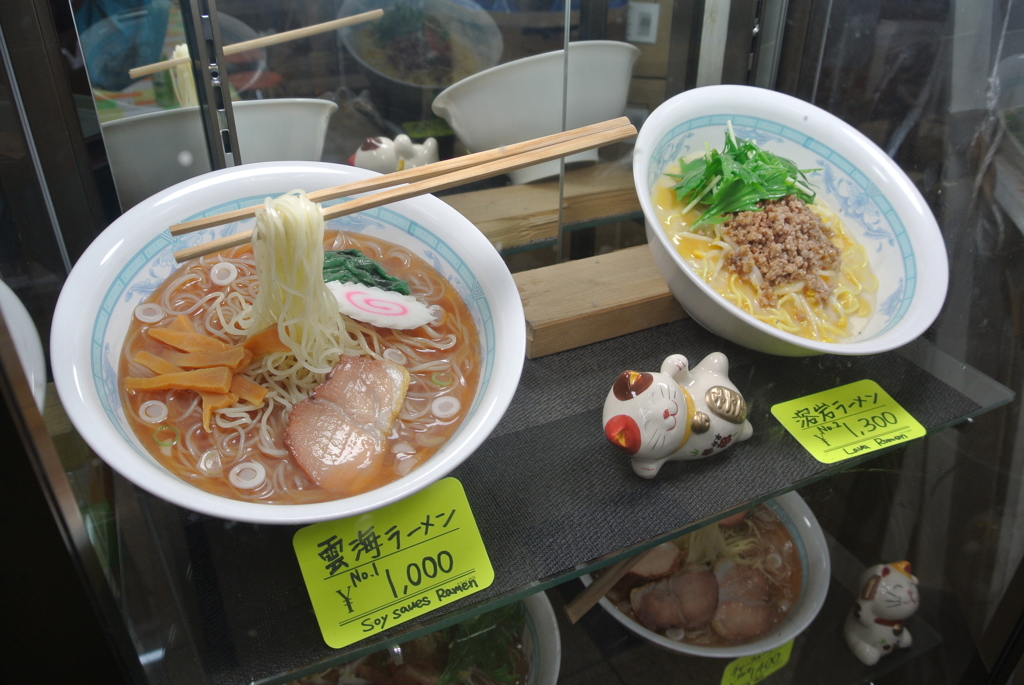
(369, 391)
(339, 455)
(744, 604)
(686, 599)
(660, 561)
(337, 435)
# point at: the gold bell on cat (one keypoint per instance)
(677, 413)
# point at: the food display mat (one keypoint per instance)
(552, 498)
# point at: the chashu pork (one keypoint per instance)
(687, 599)
(337, 435)
(744, 607)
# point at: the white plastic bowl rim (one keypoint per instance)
(878, 203)
(582, 46)
(817, 569)
(134, 255)
(544, 639)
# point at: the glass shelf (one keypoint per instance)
(553, 500)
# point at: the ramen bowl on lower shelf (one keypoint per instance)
(894, 272)
(463, 364)
(744, 587)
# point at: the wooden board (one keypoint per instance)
(585, 301)
(513, 216)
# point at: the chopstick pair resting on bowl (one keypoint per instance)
(422, 180)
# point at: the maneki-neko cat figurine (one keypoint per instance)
(874, 626)
(677, 413)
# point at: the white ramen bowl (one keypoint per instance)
(816, 567)
(133, 256)
(522, 100)
(879, 206)
(153, 151)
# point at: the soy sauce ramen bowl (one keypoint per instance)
(816, 569)
(878, 204)
(134, 255)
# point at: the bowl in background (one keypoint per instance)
(879, 205)
(400, 93)
(542, 641)
(25, 337)
(134, 255)
(816, 567)
(153, 151)
(521, 100)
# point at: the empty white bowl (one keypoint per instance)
(134, 255)
(153, 151)
(25, 336)
(879, 206)
(817, 570)
(521, 100)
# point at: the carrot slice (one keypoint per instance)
(230, 358)
(187, 342)
(248, 390)
(155, 363)
(213, 401)
(265, 342)
(217, 380)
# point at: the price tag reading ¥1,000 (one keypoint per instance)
(748, 670)
(370, 572)
(847, 421)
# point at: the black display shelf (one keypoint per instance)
(551, 497)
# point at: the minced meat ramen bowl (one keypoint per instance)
(876, 202)
(134, 255)
(816, 569)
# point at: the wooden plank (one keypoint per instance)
(585, 301)
(513, 216)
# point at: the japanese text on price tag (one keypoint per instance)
(748, 670)
(370, 572)
(847, 421)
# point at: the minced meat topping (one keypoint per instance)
(787, 243)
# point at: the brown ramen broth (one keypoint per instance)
(443, 359)
(727, 584)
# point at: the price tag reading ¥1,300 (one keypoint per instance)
(370, 572)
(847, 421)
(748, 670)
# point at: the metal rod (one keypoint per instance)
(202, 33)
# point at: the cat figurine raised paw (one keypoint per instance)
(874, 627)
(677, 413)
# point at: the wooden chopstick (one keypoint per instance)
(600, 586)
(263, 41)
(459, 177)
(408, 175)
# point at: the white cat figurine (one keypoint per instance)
(386, 156)
(874, 627)
(678, 413)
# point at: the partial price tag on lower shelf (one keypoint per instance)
(370, 572)
(748, 670)
(847, 421)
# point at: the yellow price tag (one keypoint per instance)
(847, 421)
(748, 670)
(370, 572)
